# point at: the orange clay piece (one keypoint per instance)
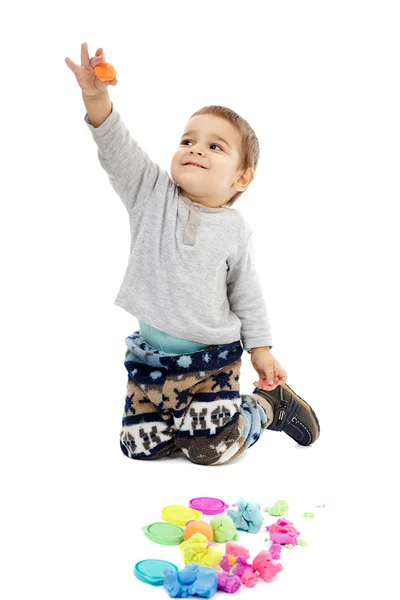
(198, 527)
(105, 72)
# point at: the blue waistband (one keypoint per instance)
(210, 358)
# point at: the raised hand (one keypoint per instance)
(85, 74)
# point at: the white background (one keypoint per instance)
(319, 83)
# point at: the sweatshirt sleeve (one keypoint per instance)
(133, 175)
(246, 299)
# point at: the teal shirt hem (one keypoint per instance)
(167, 343)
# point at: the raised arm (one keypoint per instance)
(133, 175)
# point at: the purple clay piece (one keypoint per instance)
(241, 566)
(228, 583)
(275, 550)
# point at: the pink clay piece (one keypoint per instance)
(236, 550)
(249, 578)
(264, 564)
(283, 532)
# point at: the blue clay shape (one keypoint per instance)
(193, 580)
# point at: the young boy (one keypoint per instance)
(192, 284)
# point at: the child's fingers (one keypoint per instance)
(84, 55)
(97, 60)
(265, 386)
(100, 54)
(73, 66)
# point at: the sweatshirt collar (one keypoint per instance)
(205, 208)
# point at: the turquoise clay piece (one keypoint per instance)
(247, 516)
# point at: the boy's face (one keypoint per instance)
(215, 144)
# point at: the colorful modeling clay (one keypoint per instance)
(193, 580)
(236, 550)
(198, 550)
(236, 562)
(283, 532)
(228, 583)
(308, 515)
(301, 543)
(245, 571)
(232, 551)
(249, 578)
(275, 550)
(223, 528)
(198, 527)
(105, 72)
(247, 517)
(280, 508)
(264, 564)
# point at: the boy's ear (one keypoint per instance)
(244, 180)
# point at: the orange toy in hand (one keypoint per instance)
(105, 72)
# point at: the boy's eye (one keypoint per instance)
(217, 145)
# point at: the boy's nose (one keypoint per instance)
(197, 152)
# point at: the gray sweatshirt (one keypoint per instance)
(191, 270)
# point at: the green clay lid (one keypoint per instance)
(164, 533)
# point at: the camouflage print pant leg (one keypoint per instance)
(189, 401)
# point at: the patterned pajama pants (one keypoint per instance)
(190, 402)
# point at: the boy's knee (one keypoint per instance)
(214, 449)
(146, 443)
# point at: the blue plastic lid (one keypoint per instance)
(152, 570)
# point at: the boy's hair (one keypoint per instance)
(250, 150)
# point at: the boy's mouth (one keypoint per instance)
(193, 164)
